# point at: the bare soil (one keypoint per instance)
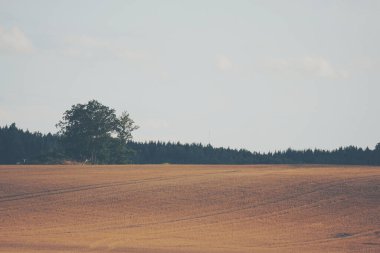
(188, 209)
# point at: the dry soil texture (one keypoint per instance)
(170, 208)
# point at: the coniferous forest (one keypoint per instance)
(23, 147)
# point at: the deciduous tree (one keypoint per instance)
(93, 132)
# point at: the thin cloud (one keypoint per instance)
(223, 63)
(88, 46)
(14, 40)
(112, 48)
(303, 67)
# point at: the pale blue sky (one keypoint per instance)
(260, 75)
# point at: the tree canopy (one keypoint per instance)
(93, 132)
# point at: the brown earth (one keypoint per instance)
(186, 208)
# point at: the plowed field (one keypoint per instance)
(188, 208)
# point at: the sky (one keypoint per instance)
(259, 75)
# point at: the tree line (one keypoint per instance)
(177, 153)
(18, 146)
(93, 133)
